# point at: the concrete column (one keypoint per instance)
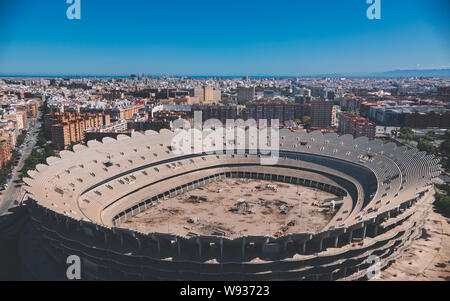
(345, 271)
(221, 248)
(264, 244)
(139, 243)
(321, 244)
(106, 238)
(285, 246)
(199, 247)
(336, 241)
(376, 230)
(304, 247)
(243, 248)
(350, 237)
(364, 232)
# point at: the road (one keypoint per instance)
(14, 190)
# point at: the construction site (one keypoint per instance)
(201, 216)
(239, 207)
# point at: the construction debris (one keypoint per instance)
(196, 199)
(292, 223)
(241, 207)
(272, 187)
(320, 204)
(193, 220)
(284, 209)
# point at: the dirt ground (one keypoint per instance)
(428, 259)
(238, 207)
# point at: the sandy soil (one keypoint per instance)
(428, 259)
(238, 207)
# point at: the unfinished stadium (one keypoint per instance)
(82, 204)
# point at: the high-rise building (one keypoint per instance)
(205, 95)
(209, 94)
(323, 114)
(217, 95)
(246, 94)
(281, 111)
(198, 93)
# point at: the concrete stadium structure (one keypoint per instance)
(80, 201)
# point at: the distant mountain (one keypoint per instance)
(393, 73)
(417, 72)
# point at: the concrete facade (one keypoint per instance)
(81, 201)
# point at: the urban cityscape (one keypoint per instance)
(148, 176)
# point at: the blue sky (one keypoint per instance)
(222, 37)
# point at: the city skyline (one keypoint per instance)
(293, 38)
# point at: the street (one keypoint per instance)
(14, 190)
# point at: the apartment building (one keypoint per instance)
(71, 127)
(19, 116)
(113, 130)
(323, 114)
(121, 113)
(356, 126)
(5, 150)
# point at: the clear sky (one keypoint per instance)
(222, 37)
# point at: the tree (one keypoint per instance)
(429, 136)
(442, 202)
(407, 134)
(445, 147)
(446, 163)
(21, 138)
(426, 146)
(306, 121)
